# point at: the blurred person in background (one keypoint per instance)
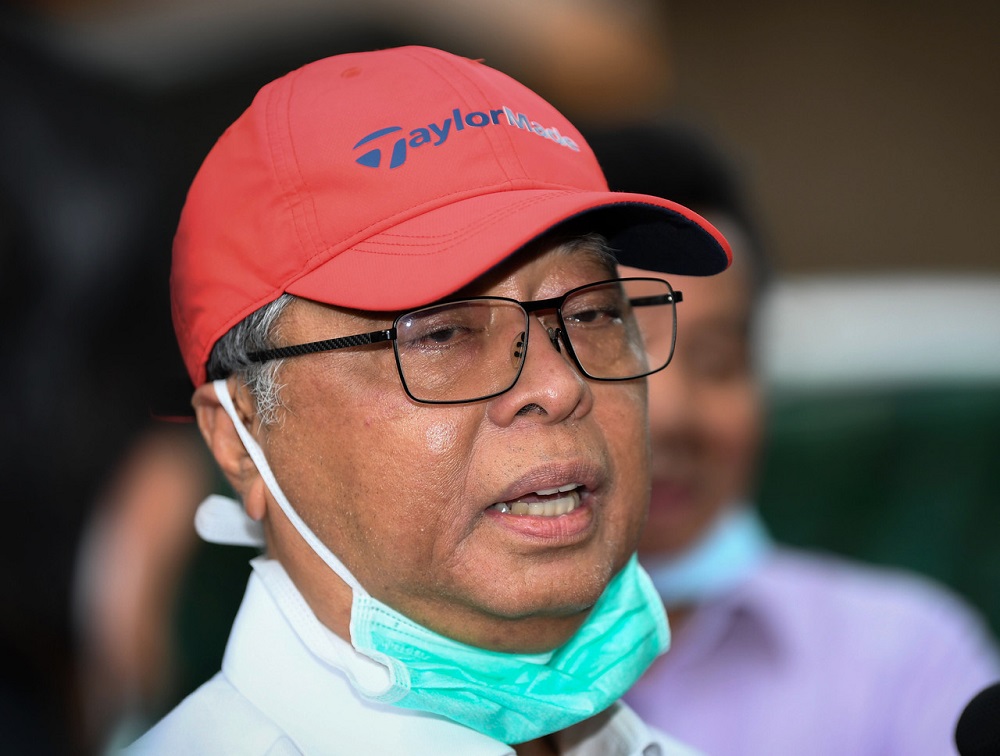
(85, 216)
(776, 651)
(449, 515)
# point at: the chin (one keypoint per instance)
(558, 598)
(540, 634)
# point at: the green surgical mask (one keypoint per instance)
(510, 697)
(519, 697)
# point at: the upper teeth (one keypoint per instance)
(550, 508)
(561, 489)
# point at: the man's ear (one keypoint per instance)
(226, 445)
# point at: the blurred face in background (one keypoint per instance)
(705, 408)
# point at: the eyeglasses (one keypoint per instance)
(474, 349)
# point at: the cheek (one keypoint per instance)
(418, 469)
(733, 422)
(624, 419)
(368, 479)
(435, 463)
(411, 452)
(440, 438)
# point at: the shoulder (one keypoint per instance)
(845, 585)
(841, 600)
(214, 719)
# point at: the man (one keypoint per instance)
(395, 290)
(775, 651)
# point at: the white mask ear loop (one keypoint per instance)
(257, 455)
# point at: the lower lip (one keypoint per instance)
(560, 529)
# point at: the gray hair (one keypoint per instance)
(259, 331)
(256, 332)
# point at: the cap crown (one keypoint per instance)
(370, 181)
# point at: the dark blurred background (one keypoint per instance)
(865, 133)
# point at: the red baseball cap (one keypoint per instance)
(387, 180)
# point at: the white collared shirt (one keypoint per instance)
(286, 688)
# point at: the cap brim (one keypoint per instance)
(427, 257)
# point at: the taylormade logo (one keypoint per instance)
(436, 134)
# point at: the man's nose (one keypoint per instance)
(540, 347)
(549, 386)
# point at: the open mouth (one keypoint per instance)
(550, 502)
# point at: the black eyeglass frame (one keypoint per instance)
(530, 307)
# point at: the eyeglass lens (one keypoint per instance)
(474, 349)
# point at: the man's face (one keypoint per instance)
(403, 493)
(705, 412)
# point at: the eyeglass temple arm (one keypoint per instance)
(659, 299)
(327, 345)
